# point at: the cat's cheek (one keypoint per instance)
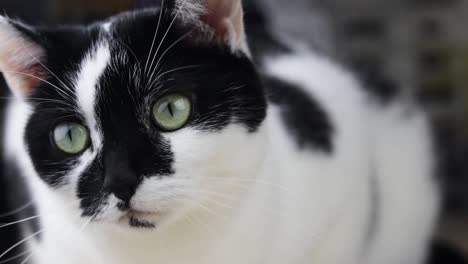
(216, 162)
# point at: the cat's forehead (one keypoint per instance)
(135, 58)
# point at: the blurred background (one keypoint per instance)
(419, 46)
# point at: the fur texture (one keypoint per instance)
(286, 161)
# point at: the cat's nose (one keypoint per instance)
(123, 188)
(120, 179)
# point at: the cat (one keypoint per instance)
(169, 135)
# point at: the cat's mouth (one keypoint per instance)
(140, 219)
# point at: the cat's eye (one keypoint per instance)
(71, 138)
(172, 112)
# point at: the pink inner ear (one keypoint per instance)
(224, 16)
(20, 61)
(27, 83)
(217, 12)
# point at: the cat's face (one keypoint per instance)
(141, 118)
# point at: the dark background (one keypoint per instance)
(419, 46)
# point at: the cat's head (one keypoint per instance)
(144, 116)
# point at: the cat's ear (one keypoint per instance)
(224, 20)
(21, 58)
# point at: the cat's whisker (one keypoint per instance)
(81, 229)
(167, 32)
(230, 200)
(189, 219)
(17, 210)
(49, 101)
(27, 258)
(30, 218)
(197, 221)
(22, 241)
(172, 71)
(46, 68)
(40, 100)
(155, 35)
(239, 182)
(214, 193)
(205, 208)
(234, 88)
(8, 260)
(19, 221)
(60, 90)
(158, 63)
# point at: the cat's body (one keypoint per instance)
(330, 174)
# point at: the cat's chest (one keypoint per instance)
(150, 252)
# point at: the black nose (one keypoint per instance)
(120, 179)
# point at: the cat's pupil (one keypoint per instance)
(69, 134)
(171, 111)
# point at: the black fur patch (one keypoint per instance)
(220, 82)
(304, 117)
(91, 189)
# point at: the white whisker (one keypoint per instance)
(17, 210)
(15, 257)
(167, 32)
(155, 35)
(158, 63)
(62, 92)
(20, 242)
(19, 221)
(171, 71)
(40, 63)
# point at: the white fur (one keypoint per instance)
(91, 71)
(107, 26)
(241, 197)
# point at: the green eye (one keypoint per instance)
(71, 138)
(172, 112)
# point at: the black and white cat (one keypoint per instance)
(152, 137)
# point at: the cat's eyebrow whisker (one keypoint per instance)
(60, 90)
(17, 210)
(154, 36)
(158, 63)
(131, 51)
(173, 70)
(167, 32)
(234, 88)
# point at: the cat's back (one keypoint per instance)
(372, 153)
